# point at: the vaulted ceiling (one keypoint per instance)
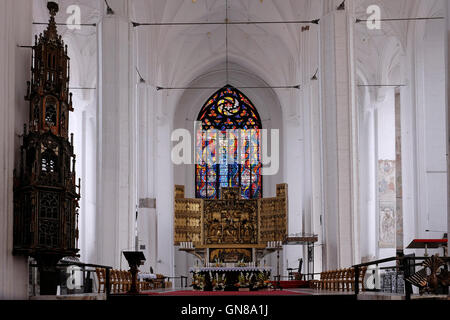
(179, 54)
(378, 52)
(184, 52)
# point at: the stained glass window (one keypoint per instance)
(228, 146)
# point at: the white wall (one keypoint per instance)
(432, 166)
(386, 126)
(15, 29)
(413, 55)
(430, 171)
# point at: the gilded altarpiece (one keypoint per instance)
(230, 227)
(188, 221)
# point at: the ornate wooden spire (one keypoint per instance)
(45, 194)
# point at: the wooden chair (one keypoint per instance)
(316, 283)
(321, 281)
(362, 275)
(126, 278)
(126, 283)
(344, 279)
(331, 280)
(159, 281)
(101, 277)
(122, 281)
(326, 280)
(115, 281)
(338, 282)
(335, 282)
(112, 285)
(119, 281)
(144, 285)
(347, 279)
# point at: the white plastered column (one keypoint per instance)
(368, 176)
(116, 145)
(448, 115)
(312, 187)
(339, 139)
(146, 138)
(15, 29)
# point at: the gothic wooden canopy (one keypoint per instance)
(45, 191)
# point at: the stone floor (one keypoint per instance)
(85, 296)
(306, 292)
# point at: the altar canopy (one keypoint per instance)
(229, 229)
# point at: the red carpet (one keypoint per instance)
(224, 293)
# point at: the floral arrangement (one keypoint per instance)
(244, 280)
(241, 263)
(218, 264)
(198, 281)
(218, 282)
(262, 281)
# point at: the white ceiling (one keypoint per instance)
(180, 54)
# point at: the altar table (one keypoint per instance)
(146, 276)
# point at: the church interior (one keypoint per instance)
(224, 147)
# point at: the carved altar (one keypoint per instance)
(230, 229)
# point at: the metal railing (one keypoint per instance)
(406, 264)
(87, 280)
(183, 279)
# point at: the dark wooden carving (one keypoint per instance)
(45, 192)
(433, 278)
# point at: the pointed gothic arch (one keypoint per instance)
(230, 139)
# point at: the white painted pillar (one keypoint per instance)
(368, 179)
(448, 115)
(86, 150)
(116, 134)
(164, 189)
(339, 139)
(146, 140)
(15, 28)
(312, 222)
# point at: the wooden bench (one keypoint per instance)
(119, 281)
(340, 280)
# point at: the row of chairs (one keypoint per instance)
(119, 281)
(340, 280)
